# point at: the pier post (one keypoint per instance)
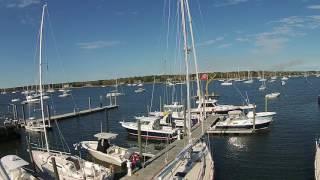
(254, 117)
(89, 102)
(139, 137)
(16, 112)
(100, 101)
(30, 154)
(160, 105)
(56, 174)
(107, 119)
(49, 115)
(24, 115)
(266, 104)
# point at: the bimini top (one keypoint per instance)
(12, 162)
(105, 135)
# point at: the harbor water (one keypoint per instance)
(286, 151)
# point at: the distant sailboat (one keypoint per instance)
(250, 80)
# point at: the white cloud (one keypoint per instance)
(226, 45)
(211, 41)
(98, 44)
(222, 3)
(314, 6)
(21, 3)
(242, 39)
(269, 45)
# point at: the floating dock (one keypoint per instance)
(154, 165)
(79, 113)
(230, 131)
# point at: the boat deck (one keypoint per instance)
(154, 165)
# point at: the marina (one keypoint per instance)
(162, 90)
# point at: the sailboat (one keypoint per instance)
(227, 82)
(262, 79)
(250, 80)
(68, 166)
(195, 160)
(263, 86)
(317, 161)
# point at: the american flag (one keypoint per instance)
(204, 76)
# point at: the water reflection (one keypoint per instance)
(238, 143)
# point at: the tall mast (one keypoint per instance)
(193, 49)
(40, 78)
(185, 46)
(194, 52)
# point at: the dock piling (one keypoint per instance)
(30, 154)
(265, 104)
(254, 117)
(139, 137)
(56, 174)
(49, 115)
(89, 102)
(24, 115)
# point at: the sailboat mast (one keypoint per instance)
(40, 78)
(193, 49)
(185, 46)
(195, 63)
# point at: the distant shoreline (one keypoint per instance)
(164, 78)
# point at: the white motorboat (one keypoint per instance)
(140, 85)
(64, 94)
(11, 168)
(283, 83)
(151, 128)
(140, 90)
(272, 95)
(15, 100)
(284, 78)
(250, 81)
(262, 87)
(177, 113)
(36, 126)
(237, 120)
(226, 83)
(114, 94)
(104, 151)
(211, 106)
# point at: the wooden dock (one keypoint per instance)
(154, 165)
(79, 113)
(232, 131)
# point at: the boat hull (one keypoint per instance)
(91, 147)
(152, 135)
(249, 126)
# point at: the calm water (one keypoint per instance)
(285, 152)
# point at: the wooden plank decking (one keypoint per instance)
(164, 157)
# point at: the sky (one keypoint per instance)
(106, 39)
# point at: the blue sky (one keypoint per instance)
(103, 39)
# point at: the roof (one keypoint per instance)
(105, 135)
(12, 162)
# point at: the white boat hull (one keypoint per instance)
(116, 157)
